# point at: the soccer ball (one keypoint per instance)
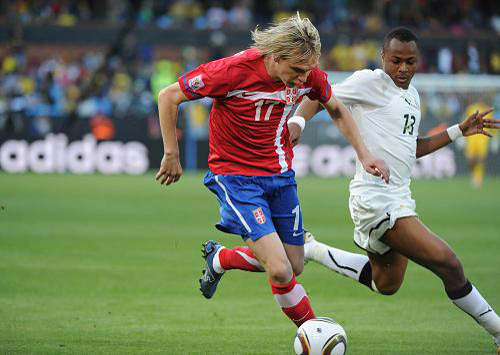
(320, 336)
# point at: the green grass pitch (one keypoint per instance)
(110, 265)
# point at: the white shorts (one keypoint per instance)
(373, 215)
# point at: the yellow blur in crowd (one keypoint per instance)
(477, 146)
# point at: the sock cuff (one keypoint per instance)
(461, 292)
(283, 288)
(218, 261)
(365, 276)
(222, 256)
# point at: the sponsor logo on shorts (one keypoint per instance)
(259, 216)
(296, 234)
(196, 83)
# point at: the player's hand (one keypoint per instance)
(170, 169)
(476, 123)
(376, 167)
(295, 131)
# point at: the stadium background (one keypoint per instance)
(109, 264)
(72, 68)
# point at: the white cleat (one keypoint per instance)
(308, 237)
(309, 246)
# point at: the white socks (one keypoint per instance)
(216, 262)
(341, 261)
(357, 267)
(471, 302)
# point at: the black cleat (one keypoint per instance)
(210, 278)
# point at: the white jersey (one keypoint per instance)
(388, 118)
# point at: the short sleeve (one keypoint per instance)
(208, 80)
(320, 87)
(364, 87)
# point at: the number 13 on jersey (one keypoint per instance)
(409, 122)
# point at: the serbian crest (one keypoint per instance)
(291, 95)
(259, 216)
(196, 83)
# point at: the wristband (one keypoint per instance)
(298, 120)
(454, 132)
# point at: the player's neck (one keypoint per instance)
(405, 87)
(269, 63)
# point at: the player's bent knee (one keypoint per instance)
(454, 269)
(454, 263)
(280, 272)
(388, 288)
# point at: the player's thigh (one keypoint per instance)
(411, 238)
(295, 254)
(271, 253)
(287, 216)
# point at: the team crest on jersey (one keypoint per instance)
(259, 216)
(196, 83)
(291, 95)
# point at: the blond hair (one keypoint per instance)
(293, 38)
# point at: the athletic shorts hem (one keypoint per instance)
(374, 215)
(244, 236)
(371, 251)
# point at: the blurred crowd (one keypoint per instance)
(458, 17)
(88, 87)
(94, 88)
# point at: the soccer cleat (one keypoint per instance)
(210, 278)
(308, 237)
(309, 242)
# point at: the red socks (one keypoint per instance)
(291, 297)
(239, 258)
(293, 301)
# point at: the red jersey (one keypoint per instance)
(248, 131)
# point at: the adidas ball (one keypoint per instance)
(320, 336)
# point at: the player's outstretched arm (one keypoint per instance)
(474, 124)
(346, 124)
(306, 110)
(169, 100)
